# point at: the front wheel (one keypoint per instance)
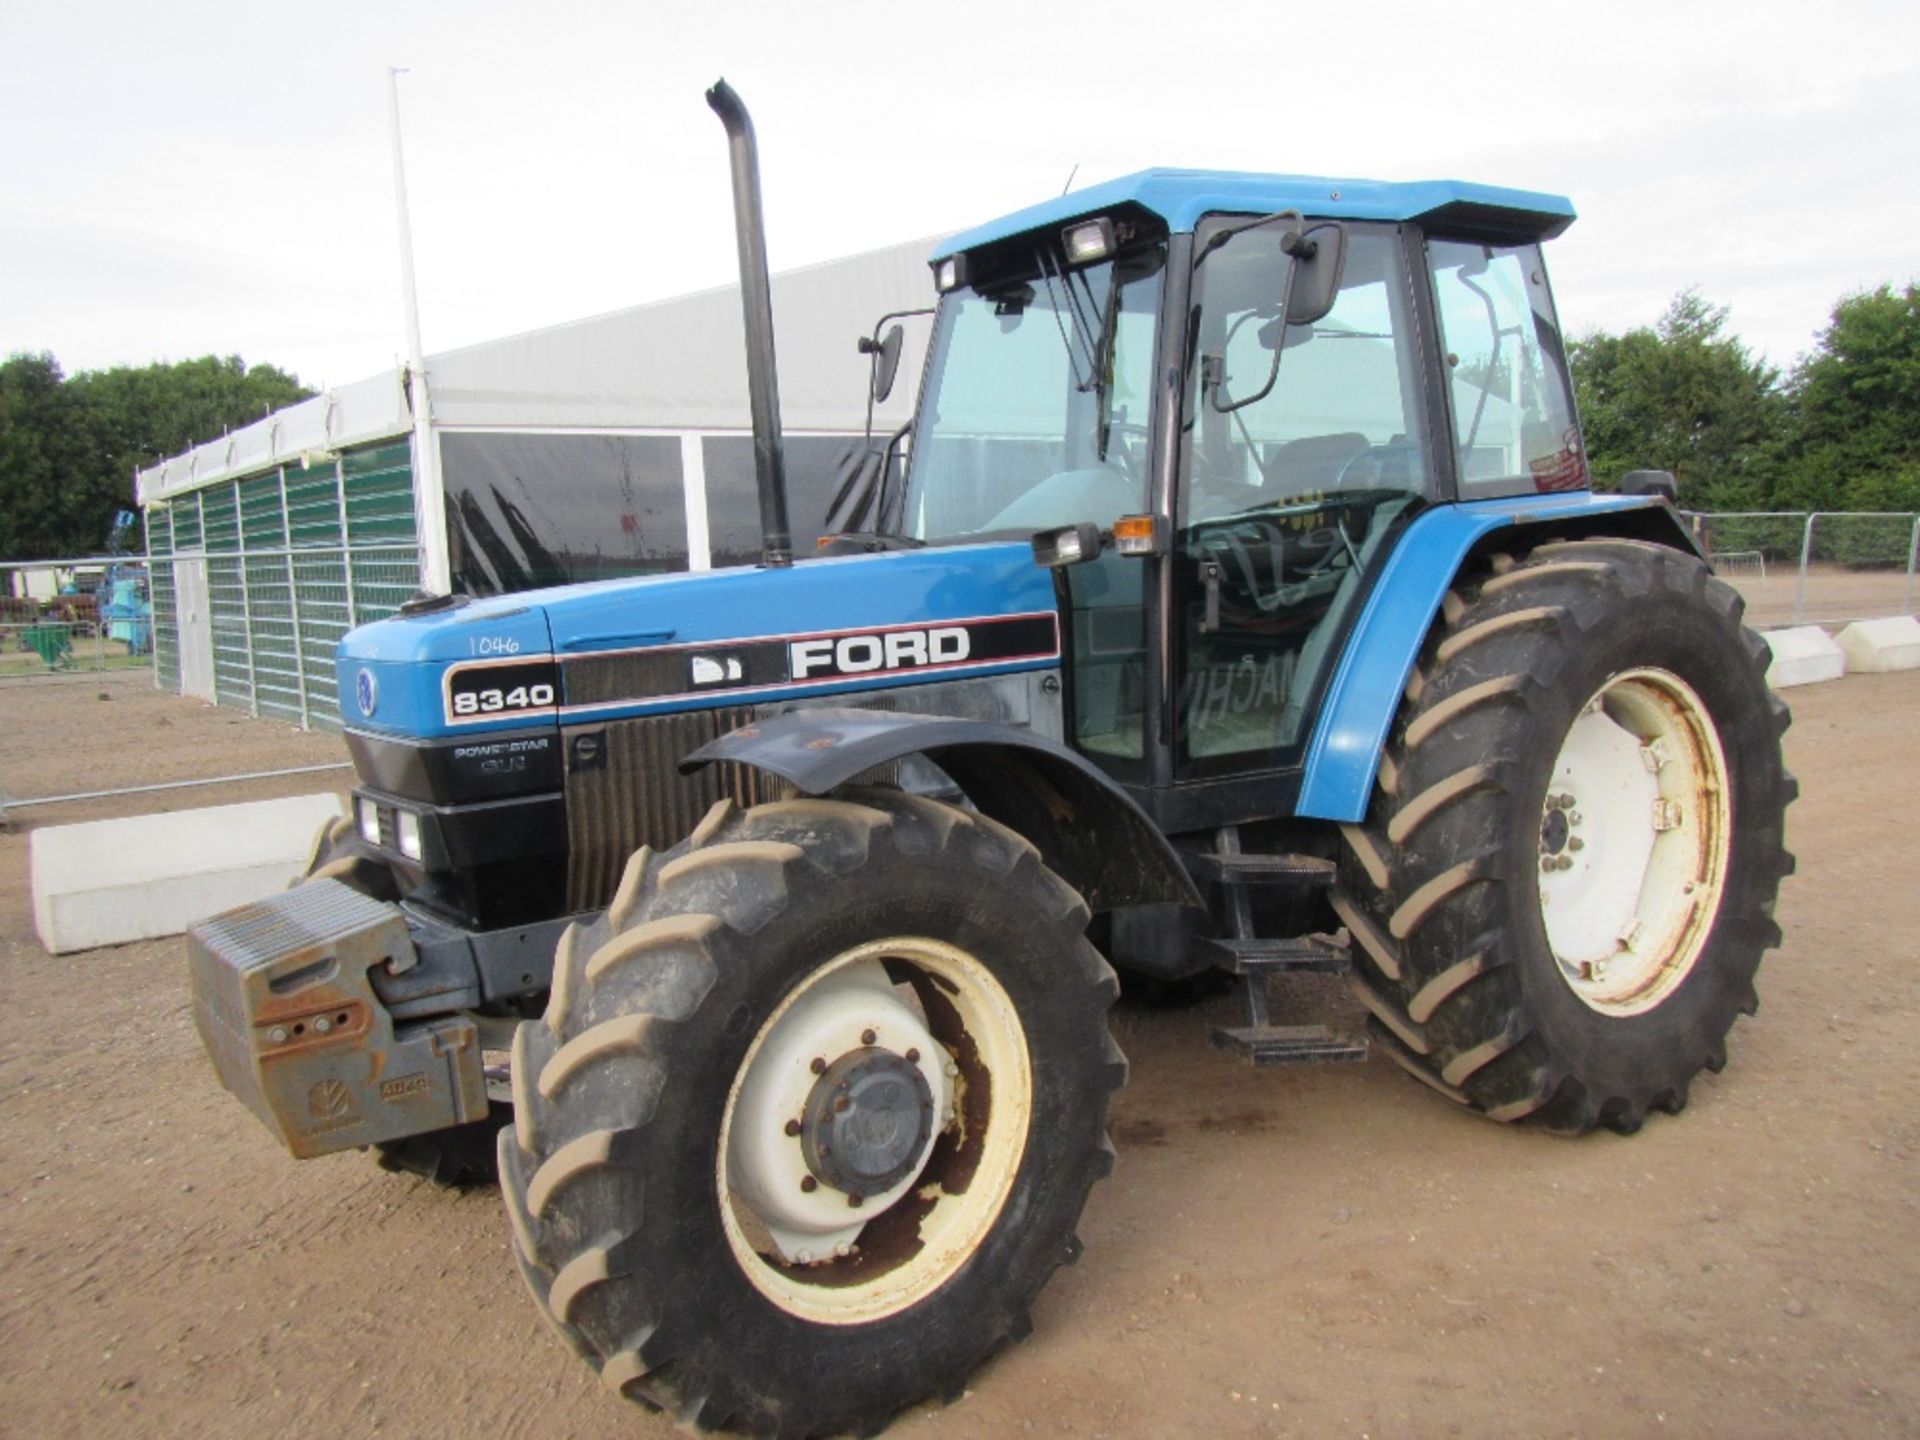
(813, 1112)
(1566, 881)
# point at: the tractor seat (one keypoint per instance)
(1312, 463)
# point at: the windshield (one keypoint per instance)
(1036, 403)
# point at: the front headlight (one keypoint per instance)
(409, 831)
(369, 821)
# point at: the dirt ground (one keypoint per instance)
(1834, 595)
(1317, 1252)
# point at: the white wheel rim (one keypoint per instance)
(1634, 835)
(965, 1040)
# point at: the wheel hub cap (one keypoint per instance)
(868, 1122)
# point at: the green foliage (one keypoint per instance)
(1684, 396)
(1842, 432)
(69, 447)
(1856, 400)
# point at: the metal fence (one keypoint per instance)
(36, 648)
(255, 580)
(1815, 567)
(65, 619)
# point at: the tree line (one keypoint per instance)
(69, 444)
(1840, 430)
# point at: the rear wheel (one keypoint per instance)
(1566, 881)
(813, 1112)
(457, 1157)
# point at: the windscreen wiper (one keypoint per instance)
(1053, 297)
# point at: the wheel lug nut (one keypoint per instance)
(843, 1250)
(819, 1066)
(1576, 843)
(1549, 864)
(913, 1057)
(867, 1037)
(1573, 817)
(856, 1200)
(840, 1104)
(803, 1257)
(808, 1184)
(793, 1127)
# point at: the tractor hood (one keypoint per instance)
(698, 640)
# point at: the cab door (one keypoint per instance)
(1295, 480)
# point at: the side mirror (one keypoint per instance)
(886, 361)
(1319, 259)
(1316, 258)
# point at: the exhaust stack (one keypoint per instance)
(756, 301)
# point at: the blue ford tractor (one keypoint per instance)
(1238, 603)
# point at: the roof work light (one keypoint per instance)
(1088, 241)
(950, 273)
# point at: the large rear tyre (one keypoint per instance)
(462, 1155)
(813, 1112)
(1566, 880)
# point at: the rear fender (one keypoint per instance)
(1087, 829)
(1370, 676)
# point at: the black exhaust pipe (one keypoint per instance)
(756, 301)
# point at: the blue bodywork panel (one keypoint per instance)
(667, 632)
(1182, 197)
(1371, 676)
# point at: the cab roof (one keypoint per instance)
(1182, 197)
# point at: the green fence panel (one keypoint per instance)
(378, 482)
(220, 520)
(313, 507)
(227, 612)
(186, 523)
(383, 580)
(166, 626)
(320, 599)
(295, 557)
(263, 525)
(276, 670)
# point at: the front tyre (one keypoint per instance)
(813, 1112)
(1566, 880)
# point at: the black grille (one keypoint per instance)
(624, 790)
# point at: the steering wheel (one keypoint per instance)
(1259, 543)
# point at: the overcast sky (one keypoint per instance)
(195, 177)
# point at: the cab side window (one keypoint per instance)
(1512, 404)
(1296, 473)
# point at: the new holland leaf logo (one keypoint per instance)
(330, 1100)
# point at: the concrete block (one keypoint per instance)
(106, 882)
(1803, 655)
(1874, 646)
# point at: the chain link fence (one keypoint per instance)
(1822, 567)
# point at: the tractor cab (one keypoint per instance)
(1217, 402)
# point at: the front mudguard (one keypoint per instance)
(1087, 829)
